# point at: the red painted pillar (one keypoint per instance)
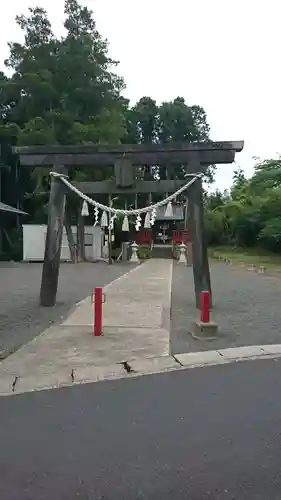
(205, 306)
(97, 301)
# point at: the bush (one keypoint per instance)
(214, 227)
(144, 252)
(270, 235)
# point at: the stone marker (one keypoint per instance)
(251, 267)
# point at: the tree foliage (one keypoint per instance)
(250, 214)
(67, 90)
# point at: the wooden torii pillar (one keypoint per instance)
(196, 157)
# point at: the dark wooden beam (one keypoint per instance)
(124, 149)
(124, 173)
(109, 187)
(201, 271)
(1, 232)
(50, 273)
(80, 234)
(137, 158)
(70, 237)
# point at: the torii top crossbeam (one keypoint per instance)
(138, 154)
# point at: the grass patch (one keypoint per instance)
(255, 256)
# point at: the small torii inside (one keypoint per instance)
(194, 157)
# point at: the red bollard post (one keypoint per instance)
(205, 306)
(97, 300)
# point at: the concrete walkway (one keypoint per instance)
(136, 324)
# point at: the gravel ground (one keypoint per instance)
(21, 317)
(246, 307)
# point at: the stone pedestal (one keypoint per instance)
(204, 331)
(134, 258)
(182, 258)
(125, 251)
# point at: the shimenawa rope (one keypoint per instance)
(119, 211)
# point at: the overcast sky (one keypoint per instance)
(221, 54)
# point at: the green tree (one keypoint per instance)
(180, 122)
(62, 90)
(267, 175)
(251, 213)
(270, 235)
(67, 91)
(66, 81)
(146, 120)
(216, 200)
(172, 121)
(215, 227)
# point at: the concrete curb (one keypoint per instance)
(229, 355)
(87, 375)
(141, 367)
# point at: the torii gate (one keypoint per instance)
(195, 157)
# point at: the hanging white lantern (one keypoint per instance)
(147, 224)
(169, 210)
(96, 212)
(104, 219)
(125, 224)
(85, 210)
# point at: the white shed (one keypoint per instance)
(34, 237)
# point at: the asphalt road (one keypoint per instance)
(207, 433)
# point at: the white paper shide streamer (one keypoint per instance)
(147, 224)
(138, 223)
(111, 223)
(104, 219)
(125, 224)
(134, 212)
(85, 209)
(96, 212)
(169, 210)
(153, 217)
